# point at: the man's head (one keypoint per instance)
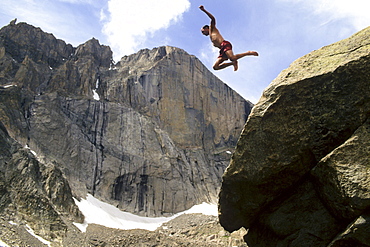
(205, 30)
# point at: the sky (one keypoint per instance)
(279, 30)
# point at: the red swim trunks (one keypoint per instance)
(225, 46)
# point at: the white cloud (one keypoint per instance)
(355, 11)
(129, 23)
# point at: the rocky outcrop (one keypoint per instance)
(151, 134)
(300, 172)
(33, 192)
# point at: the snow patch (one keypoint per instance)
(2, 244)
(101, 213)
(9, 85)
(30, 231)
(95, 94)
(204, 208)
(33, 152)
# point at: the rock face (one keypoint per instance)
(148, 134)
(300, 174)
(34, 192)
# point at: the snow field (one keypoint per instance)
(101, 213)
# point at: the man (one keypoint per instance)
(225, 47)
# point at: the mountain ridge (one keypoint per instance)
(148, 134)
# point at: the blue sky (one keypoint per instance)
(280, 30)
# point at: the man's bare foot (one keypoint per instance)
(235, 64)
(253, 53)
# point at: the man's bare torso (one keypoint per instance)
(216, 37)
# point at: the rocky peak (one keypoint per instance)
(145, 57)
(21, 40)
(151, 134)
(102, 54)
(136, 65)
(39, 62)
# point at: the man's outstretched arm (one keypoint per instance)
(213, 19)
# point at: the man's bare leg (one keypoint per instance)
(235, 57)
(235, 63)
(248, 53)
(219, 64)
(223, 65)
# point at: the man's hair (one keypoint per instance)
(205, 26)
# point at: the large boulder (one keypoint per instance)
(300, 172)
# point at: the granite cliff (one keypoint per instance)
(151, 134)
(300, 174)
(33, 195)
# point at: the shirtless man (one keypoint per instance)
(225, 47)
